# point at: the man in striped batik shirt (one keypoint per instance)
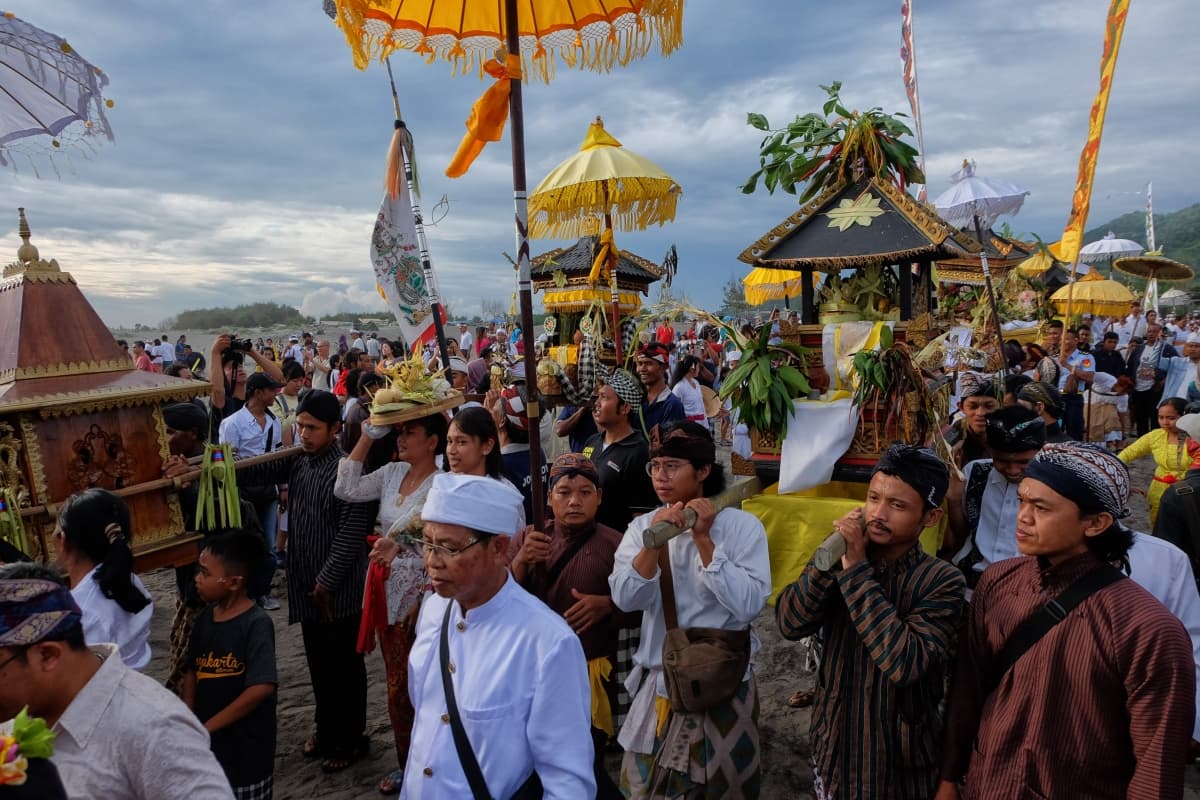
(888, 614)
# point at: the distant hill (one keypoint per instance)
(1177, 233)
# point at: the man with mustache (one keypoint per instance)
(888, 614)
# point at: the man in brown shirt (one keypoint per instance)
(568, 570)
(1101, 705)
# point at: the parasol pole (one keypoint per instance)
(987, 282)
(516, 121)
(406, 157)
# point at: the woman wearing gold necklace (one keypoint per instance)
(1166, 445)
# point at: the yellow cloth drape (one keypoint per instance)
(488, 115)
(605, 264)
(602, 717)
(1072, 238)
(797, 523)
(662, 709)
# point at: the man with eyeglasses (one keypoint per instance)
(568, 570)
(720, 577)
(517, 670)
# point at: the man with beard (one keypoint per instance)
(889, 614)
(498, 680)
(982, 507)
(327, 566)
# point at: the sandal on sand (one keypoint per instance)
(801, 700)
(343, 759)
(390, 783)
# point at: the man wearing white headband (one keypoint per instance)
(521, 705)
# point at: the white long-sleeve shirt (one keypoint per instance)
(995, 535)
(728, 593)
(521, 684)
(1163, 570)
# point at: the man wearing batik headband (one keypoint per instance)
(661, 406)
(889, 615)
(982, 508)
(1046, 401)
(517, 670)
(722, 578)
(976, 399)
(568, 570)
(1100, 701)
(620, 451)
(119, 734)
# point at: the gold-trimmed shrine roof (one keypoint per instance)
(859, 223)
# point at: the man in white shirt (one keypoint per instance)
(356, 341)
(320, 367)
(119, 734)
(465, 339)
(982, 508)
(1135, 325)
(294, 351)
(166, 351)
(253, 430)
(374, 348)
(517, 670)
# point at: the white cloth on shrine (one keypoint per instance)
(819, 433)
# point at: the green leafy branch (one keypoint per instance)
(764, 385)
(817, 150)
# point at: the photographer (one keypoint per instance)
(229, 394)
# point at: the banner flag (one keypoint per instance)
(395, 256)
(908, 58)
(1072, 238)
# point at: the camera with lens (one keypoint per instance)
(237, 346)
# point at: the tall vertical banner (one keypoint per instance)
(1150, 216)
(908, 59)
(1072, 238)
(395, 257)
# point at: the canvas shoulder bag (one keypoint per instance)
(703, 667)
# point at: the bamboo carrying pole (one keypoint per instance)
(175, 483)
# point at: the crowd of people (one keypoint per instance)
(1046, 650)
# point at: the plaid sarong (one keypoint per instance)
(628, 640)
(263, 790)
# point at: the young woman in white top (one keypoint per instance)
(686, 387)
(91, 543)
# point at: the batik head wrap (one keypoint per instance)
(1090, 476)
(570, 465)
(627, 388)
(920, 468)
(688, 440)
(33, 610)
(974, 384)
(1039, 392)
(514, 408)
(1015, 429)
(655, 351)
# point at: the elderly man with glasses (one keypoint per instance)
(498, 681)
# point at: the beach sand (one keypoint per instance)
(784, 731)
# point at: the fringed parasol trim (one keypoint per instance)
(563, 213)
(598, 42)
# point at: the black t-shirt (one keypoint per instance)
(228, 657)
(623, 479)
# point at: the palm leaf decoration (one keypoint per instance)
(817, 150)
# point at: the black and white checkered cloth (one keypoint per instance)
(628, 640)
(263, 790)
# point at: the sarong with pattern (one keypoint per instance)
(701, 756)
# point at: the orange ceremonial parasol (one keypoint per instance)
(508, 40)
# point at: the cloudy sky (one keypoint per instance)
(249, 150)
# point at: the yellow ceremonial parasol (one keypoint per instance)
(764, 284)
(1154, 267)
(1093, 294)
(603, 181)
(508, 39)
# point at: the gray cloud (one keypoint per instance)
(249, 151)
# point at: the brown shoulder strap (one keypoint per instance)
(666, 585)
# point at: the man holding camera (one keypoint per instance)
(888, 613)
(229, 393)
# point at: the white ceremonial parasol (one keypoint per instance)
(1109, 248)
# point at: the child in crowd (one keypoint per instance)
(231, 679)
